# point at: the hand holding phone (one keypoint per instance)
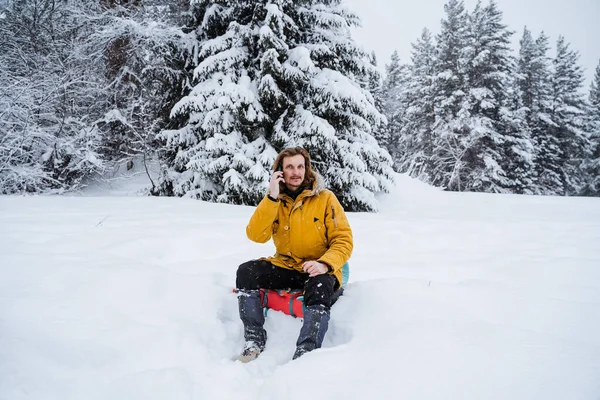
(276, 180)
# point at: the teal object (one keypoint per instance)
(345, 273)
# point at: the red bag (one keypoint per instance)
(289, 301)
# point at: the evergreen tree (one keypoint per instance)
(394, 105)
(497, 145)
(592, 164)
(375, 87)
(519, 147)
(533, 77)
(207, 155)
(375, 83)
(273, 74)
(568, 114)
(419, 118)
(450, 132)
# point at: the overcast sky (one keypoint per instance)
(390, 25)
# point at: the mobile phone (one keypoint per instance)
(282, 183)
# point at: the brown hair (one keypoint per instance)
(309, 174)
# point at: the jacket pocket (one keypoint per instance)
(321, 230)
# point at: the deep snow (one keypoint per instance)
(451, 296)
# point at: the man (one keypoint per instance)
(313, 240)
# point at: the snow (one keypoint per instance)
(451, 296)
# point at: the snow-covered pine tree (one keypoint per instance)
(419, 116)
(498, 151)
(592, 163)
(273, 74)
(375, 86)
(375, 82)
(450, 133)
(520, 167)
(210, 156)
(533, 75)
(568, 114)
(394, 106)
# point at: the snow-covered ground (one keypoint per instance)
(452, 296)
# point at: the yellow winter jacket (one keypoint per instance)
(314, 227)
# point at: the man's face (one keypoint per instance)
(293, 171)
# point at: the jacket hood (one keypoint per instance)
(319, 184)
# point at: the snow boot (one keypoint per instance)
(316, 322)
(250, 353)
(253, 318)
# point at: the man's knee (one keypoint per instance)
(247, 275)
(319, 290)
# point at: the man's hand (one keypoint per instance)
(314, 268)
(274, 184)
